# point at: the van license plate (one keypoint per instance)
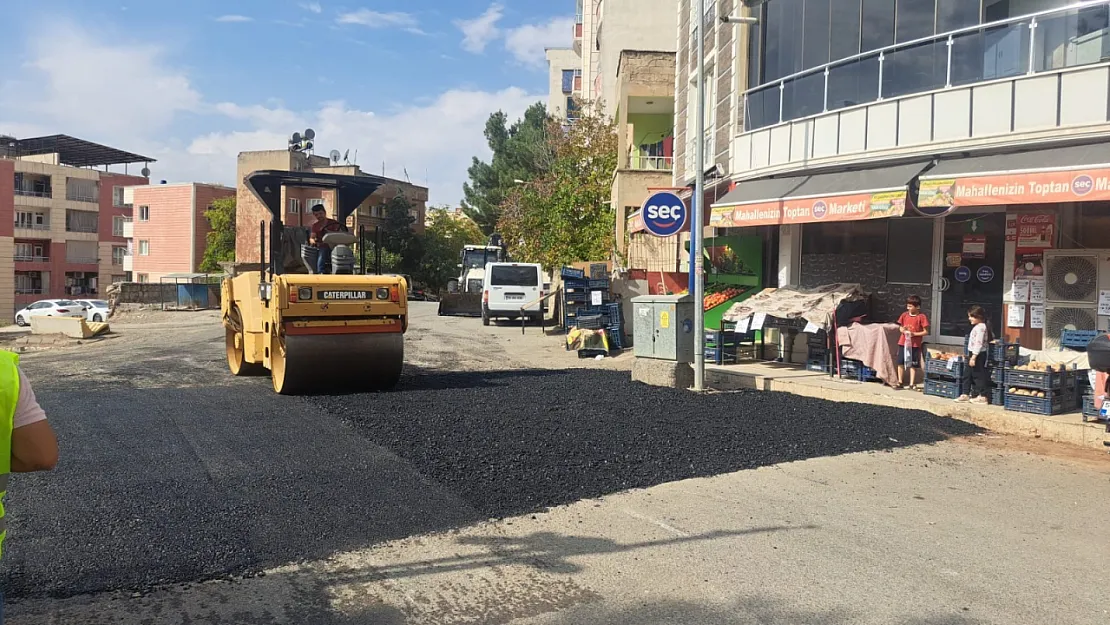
(342, 295)
(514, 296)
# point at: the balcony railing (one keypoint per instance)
(82, 228)
(1043, 41)
(24, 291)
(27, 226)
(74, 196)
(32, 193)
(650, 163)
(82, 260)
(30, 258)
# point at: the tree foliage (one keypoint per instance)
(444, 238)
(564, 215)
(220, 242)
(398, 238)
(520, 152)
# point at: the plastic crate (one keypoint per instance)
(1078, 339)
(572, 273)
(1008, 353)
(817, 353)
(998, 375)
(720, 356)
(1050, 405)
(1090, 413)
(998, 396)
(595, 285)
(592, 322)
(1049, 380)
(867, 374)
(820, 365)
(937, 368)
(942, 388)
(819, 338)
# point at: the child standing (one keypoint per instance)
(914, 326)
(975, 373)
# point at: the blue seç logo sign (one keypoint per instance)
(664, 214)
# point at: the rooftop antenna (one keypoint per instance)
(346, 156)
(334, 157)
(309, 136)
(407, 179)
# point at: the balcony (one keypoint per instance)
(82, 260)
(36, 227)
(128, 231)
(30, 258)
(128, 262)
(642, 162)
(1008, 82)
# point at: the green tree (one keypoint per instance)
(520, 152)
(220, 242)
(444, 238)
(565, 215)
(398, 237)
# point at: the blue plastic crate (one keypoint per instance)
(998, 396)
(572, 273)
(1008, 353)
(1090, 413)
(1049, 380)
(595, 285)
(719, 356)
(867, 374)
(942, 388)
(1050, 405)
(935, 367)
(998, 375)
(1078, 339)
(820, 366)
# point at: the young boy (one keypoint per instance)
(915, 327)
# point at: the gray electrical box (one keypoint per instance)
(663, 327)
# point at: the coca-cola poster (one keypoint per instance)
(1035, 231)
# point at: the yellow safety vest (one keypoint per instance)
(9, 398)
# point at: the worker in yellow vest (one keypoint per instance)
(27, 442)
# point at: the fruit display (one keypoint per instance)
(717, 298)
(936, 354)
(1025, 392)
(1034, 366)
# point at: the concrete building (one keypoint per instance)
(564, 82)
(250, 213)
(168, 234)
(952, 149)
(60, 219)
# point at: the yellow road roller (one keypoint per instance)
(315, 332)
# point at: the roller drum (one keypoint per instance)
(337, 363)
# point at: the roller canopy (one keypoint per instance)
(350, 190)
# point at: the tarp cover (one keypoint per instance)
(816, 305)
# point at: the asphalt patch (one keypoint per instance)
(513, 442)
(171, 485)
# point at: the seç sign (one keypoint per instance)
(853, 207)
(938, 196)
(664, 214)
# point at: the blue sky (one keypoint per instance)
(194, 83)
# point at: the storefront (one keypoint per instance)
(956, 232)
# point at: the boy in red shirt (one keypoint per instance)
(915, 327)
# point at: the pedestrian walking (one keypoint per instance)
(27, 441)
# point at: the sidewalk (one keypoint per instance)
(1064, 428)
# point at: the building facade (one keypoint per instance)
(564, 82)
(951, 149)
(168, 233)
(66, 218)
(298, 202)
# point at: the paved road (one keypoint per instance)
(185, 496)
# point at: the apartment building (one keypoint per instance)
(298, 202)
(952, 149)
(65, 217)
(169, 230)
(564, 82)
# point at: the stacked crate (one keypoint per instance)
(943, 377)
(721, 344)
(578, 297)
(575, 295)
(1059, 386)
(1001, 355)
(817, 354)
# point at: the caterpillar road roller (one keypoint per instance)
(315, 332)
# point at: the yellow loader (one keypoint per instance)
(314, 332)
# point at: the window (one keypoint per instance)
(142, 277)
(117, 226)
(815, 33)
(23, 251)
(915, 19)
(82, 221)
(144, 248)
(506, 275)
(82, 190)
(32, 221)
(118, 278)
(118, 253)
(877, 23)
(117, 197)
(310, 204)
(294, 205)
(144, 213)
(568, 80)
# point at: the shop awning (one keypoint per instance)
(1076, 173)
(842, 196)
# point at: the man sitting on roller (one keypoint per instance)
(320, 227)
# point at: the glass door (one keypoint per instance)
(972, 266)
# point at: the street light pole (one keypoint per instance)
(696, 227)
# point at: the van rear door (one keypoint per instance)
(513, 285)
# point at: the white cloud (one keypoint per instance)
(376, 19)
(312, 7)
(527, 43)
(482, 30)
(234, 18)
(434, 136)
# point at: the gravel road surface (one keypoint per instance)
(187, 496)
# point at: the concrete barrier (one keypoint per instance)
(72, 327)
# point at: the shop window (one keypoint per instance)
(1093, 229)
(849, 237)
(909, 256)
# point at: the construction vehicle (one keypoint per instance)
(464, 294)
(339, 330)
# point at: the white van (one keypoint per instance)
(508, 287)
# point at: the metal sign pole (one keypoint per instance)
(696, 254)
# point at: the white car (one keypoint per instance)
(49, 308)
(511, 287)
(95, 309)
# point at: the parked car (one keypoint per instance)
(95, 309)
(49, 308)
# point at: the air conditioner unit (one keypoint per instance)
(1073, 280)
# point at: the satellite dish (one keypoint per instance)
(335, 157)
(308, 145)
(296, 138)
(145, 172)
(309, 134)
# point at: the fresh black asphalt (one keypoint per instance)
(171, 485)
